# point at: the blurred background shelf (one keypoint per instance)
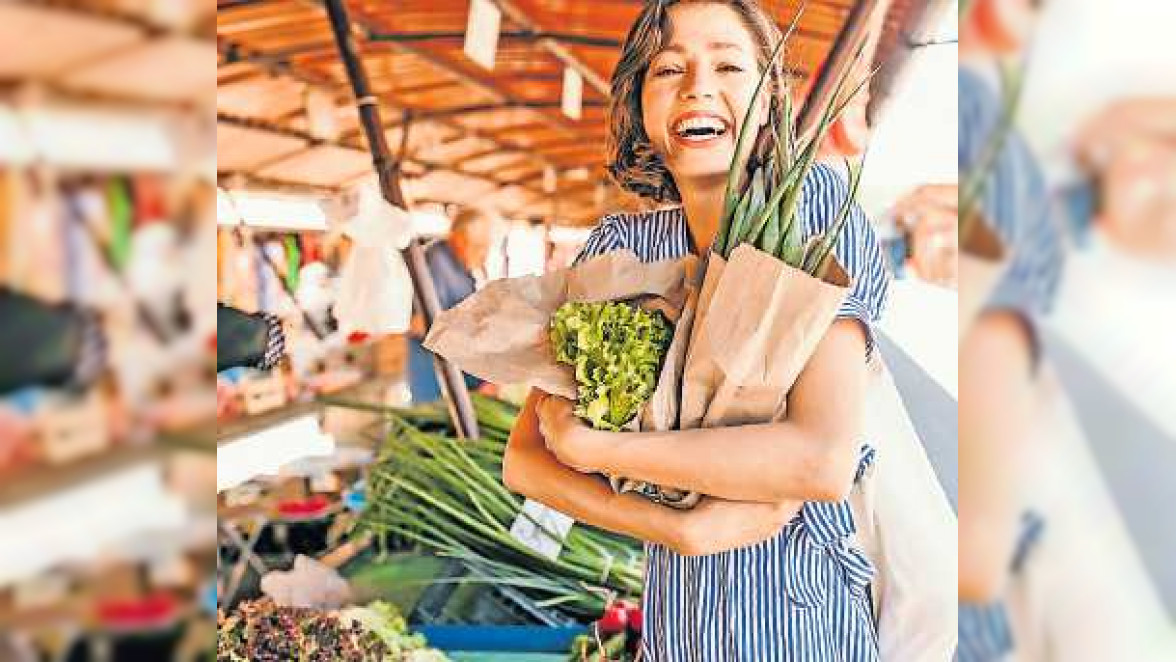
(26, 485)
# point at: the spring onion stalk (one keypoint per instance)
(446, 496)
(762, 210)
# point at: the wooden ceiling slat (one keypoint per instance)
(505, 123)
(313, 79)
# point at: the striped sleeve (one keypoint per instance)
(604, 238)
(1016, 202)
(857, 250)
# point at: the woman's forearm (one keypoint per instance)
(996, 411)
(766, 463)
(531, 470)
(810, 456)
(715, 526)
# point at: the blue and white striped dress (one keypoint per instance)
(802, 596)
(1017, 204)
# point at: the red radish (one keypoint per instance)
(636, 619)
(614, 619)
(147, 611)
(314, 505)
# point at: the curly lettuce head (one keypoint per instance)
(617, 351)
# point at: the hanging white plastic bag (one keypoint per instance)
(375, 292)
(906, 527)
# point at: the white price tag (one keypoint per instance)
(481, 37)
(40, 591)
(572, 99)
(541, 528)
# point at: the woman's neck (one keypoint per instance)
(703, 205)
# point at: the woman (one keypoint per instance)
(763, 569)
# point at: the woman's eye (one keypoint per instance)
(728, 68)
(662, 72)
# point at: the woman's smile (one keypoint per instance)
(697, 89)
(698, 128)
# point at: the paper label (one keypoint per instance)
(541, 528)
(571, 102)
(481, 38)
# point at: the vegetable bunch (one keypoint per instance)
(761, 200)
(617, 350)
(263, 632)
(446, 495)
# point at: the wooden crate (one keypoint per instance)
(264, 393)
(71, 430)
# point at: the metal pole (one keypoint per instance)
(840, 55)
(452, 382)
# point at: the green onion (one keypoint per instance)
(763, 214)
(446, 495)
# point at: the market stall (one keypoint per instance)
(333, 113)
(106, 182)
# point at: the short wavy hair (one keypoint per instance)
(632, 161)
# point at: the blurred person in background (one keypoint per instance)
(457, 264)
(1129, 150)
(999, 355)
(928, 219)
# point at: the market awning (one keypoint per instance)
(502, 127)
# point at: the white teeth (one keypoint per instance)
(711, 123)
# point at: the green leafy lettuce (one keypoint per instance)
(617, 351)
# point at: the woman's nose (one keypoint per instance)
(698, 85)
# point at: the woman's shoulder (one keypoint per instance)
(825, 191)
(630, 229)
(628, 222)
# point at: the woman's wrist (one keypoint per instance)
(593, 449)
(675, 526)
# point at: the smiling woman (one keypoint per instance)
(667, 93)
(765, 566)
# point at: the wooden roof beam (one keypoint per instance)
(467, 74)
(312, 141)
(555, 48)
(286, 68)
(510, 35)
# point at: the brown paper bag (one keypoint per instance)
(755, 326)
(982, 262)
(501, 333)
(758, 323)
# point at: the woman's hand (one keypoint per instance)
(718, 525)
(566, 436)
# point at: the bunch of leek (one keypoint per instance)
(759, 207)
(446, 495)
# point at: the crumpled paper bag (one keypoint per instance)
(309, 584)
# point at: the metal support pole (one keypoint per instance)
(452, 382)
(841, 54)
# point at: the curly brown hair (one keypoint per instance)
(631, 159)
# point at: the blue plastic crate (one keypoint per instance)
(505, 638)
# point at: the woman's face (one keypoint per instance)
(697, 90)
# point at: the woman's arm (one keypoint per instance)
(810, 456)
(996, 404)
(530, 469)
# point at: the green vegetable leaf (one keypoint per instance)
(617, 351)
